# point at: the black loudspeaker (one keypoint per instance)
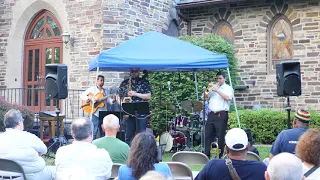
(56, 81)
(288, 78)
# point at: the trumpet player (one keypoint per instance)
(137, 89)
(219, 95)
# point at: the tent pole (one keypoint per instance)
(234, 99)
(196, 83)
(94, 91)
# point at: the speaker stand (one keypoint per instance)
(58, 140)
(288, 108)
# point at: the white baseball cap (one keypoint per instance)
(236, 139)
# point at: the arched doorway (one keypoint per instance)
(43, 45)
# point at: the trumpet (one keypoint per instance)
(209, 89)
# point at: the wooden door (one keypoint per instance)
(43, 45)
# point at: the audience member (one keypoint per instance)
(24, 148)
(288, 139)
(81, 155)
(308, 150)
(117, 149)
(152, 175)
(237, 147)
(143, 157)
(284, 166)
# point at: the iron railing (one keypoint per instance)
(34, 100)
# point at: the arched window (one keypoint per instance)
(173, 29)
(43, 45)
(224, 29)
(280, 41)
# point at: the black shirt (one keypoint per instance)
(247, 170)
(140, 85)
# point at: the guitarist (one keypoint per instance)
(95, 117)
(140, 91)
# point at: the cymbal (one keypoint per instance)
(188, 105)
(169, 106)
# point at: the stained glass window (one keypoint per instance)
(224, 29)
(280, 41)
(40, 30)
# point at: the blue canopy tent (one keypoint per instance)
(154, 51)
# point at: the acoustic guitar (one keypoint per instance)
(87, 105)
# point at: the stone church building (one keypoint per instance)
(264, 32)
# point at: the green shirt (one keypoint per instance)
(117, 149)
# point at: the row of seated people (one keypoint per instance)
(84, 159)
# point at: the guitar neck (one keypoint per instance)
(106, 97)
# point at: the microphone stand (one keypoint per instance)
(203, 144)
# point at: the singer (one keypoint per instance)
(219, 96)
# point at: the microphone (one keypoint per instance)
(169, 85)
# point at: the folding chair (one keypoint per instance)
(251, 156)
(114, 170)
(180, 171)
(190, 157)
(9, 169)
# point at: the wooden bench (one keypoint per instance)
(52, 126)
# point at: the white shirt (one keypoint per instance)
(216, 102)
(84, 158)
(24, 148)
(314, 176)
(94, 90)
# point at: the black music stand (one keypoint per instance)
(121, 132)
(134, 109)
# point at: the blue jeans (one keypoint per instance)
(96, 125)
(131, 127)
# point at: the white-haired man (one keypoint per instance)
(237, 147)
(285, 166)
(24, 148)
(82, 156)
(117, 149)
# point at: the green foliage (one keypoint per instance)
(183, 83)
(27, 115)
(265, 125)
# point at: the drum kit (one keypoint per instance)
(182, 126)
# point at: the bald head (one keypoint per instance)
(81, 129)
(285, 166)
(111, 122)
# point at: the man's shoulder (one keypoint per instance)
(256, 164)
(226, 86)
(26, 134)
(289, 131)
(143, 80)
(216, 162)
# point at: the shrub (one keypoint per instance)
(27, 115)
(265, 125)
(182, 84)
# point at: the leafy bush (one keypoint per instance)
(182, 84)
(27, 115)
(265, 125)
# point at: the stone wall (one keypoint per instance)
(250, 21)
(5, 23)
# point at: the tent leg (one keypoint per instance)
(94, 93)
(234, 99)
(196, 83)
